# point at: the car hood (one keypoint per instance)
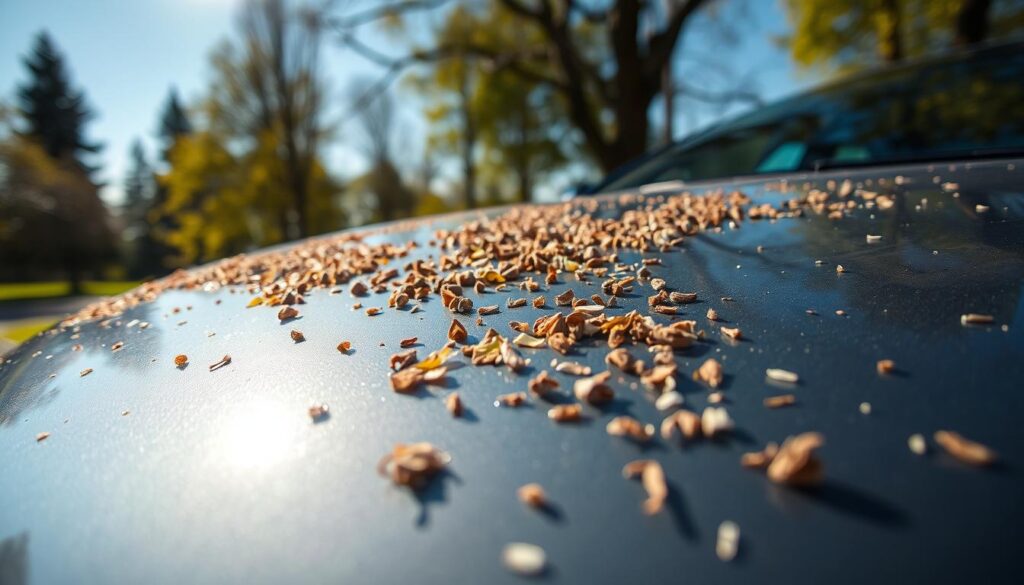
(156, 474)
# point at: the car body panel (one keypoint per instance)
(161, 475)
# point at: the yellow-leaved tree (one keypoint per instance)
(853, 34)
(251, 173)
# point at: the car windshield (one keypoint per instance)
(962, 107)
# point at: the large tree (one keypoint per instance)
(392, 198)
(173, 124)
(139, 215)
(51, 216)
(55, 113)
(271, 90)
(62, 222)
(606, 61)
(451, 87)
(251, 173)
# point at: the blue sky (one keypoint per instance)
(126, 54)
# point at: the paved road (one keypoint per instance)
(12, 313)
(17, 310)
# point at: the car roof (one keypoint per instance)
(159, 474)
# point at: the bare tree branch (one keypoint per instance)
(383, 11)
(723, 97)
(515, 62)
(523, 10)
(663, 43)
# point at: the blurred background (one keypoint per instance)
(141, 137)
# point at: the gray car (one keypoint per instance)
(882, 295)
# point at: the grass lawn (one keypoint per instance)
(46, 290)
(19, 331)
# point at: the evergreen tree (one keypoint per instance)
(173, 126)
(143, 252)
(55, 113)
(174, 123)
(64, 223)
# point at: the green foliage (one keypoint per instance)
(174, 122)
(511, 129)
(51, 215)
(852, 34)
(139, 195)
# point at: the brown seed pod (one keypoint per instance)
(565, 299)
(413, 465)
(658, 299)
(732, 333)
(297, 336)
(683, 421)
(760, 459)
(795, 464)
(532, 494)
(965, 450)
(220, 363)
(542, 384)
(457, 331)
(573, 369)
(779, 401)
(976, 319)
(653, 478)
(627, 426)
(659, 376)
(402, 360)
(885, 367)
(519, 326)
(710, 372)
(511, 400)
(681, 298)
(344, 346)
(560, 343)
(454, 404)
(287, 313)
(408, 342)
(181, 360)
(594, 389)
(566, 413)
(623, 360)
(318, 412)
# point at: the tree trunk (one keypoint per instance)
(972, 22)
(73, 271)
(891, 41)
(633, 126)
(668, 93)
(468, 144)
